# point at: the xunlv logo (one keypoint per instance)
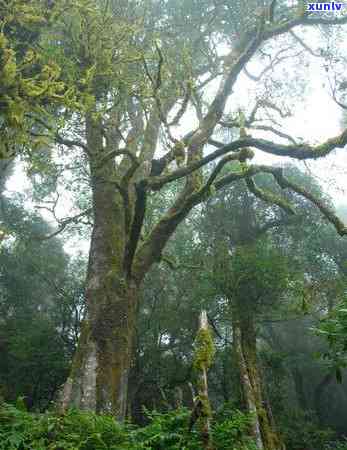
(330, 6)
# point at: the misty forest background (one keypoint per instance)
(150, 179)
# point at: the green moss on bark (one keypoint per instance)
(204, 350)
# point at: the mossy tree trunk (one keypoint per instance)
(99, 375)
(204, 353)
(119, 259)
(245, 347)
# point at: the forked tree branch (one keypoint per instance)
(297, 151)
(63, 224)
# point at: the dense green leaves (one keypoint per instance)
(87, 431)
(30, 79)
(333, 328)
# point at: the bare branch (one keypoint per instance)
(274, 62)
(329, 214)
(274, 131)
(304, 45)
(63, 224)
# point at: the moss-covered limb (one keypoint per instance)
(297, 151)
(269, 197)
(329, 214)
(30, 81)
(284, 183)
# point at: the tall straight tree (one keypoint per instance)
(143, 70)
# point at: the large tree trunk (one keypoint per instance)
(244, 337)
(99, 376)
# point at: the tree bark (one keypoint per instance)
(244, 337)
(247, 388)
(99, 376)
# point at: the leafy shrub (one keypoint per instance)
(77, 430)
(167, 432)
(20, 430)
(233, 432)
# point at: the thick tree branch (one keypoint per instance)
(297, 151)
(269, 197)
(284, 183)
(151, 249)
(329, 214)
(156, 182)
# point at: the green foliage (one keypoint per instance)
(31, 81)
(204, 350)
(87, 431)
(232, 432)
(342, 445)
(259, 273)
(334, 329)
(74, 431)
(301, 430)
(168, 432)
(40, 303)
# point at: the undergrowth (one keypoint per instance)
(76, 430)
